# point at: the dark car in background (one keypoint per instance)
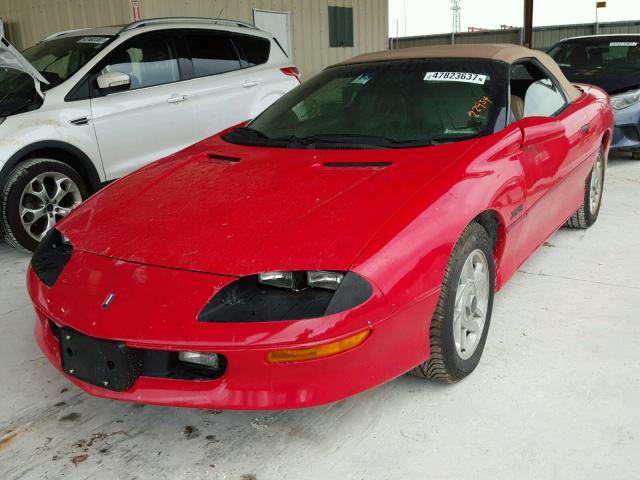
(611, 62)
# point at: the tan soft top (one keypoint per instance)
(504, 52)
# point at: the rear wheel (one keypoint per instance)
(38, 193)
(461, 321)
(587, 214)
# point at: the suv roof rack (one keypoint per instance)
(157, 21)
(64, 32)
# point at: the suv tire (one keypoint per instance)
(37, 193)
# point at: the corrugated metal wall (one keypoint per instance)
(28, 21)
(543, 37)
(309, 24)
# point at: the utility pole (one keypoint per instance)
(598, 6)
(528, 24)
(456, 6)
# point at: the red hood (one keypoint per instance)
(270, 209)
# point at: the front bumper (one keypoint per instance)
(626, 129)
(157, 310)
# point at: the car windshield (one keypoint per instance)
(391, 104)
(60, 58)
(614, 54)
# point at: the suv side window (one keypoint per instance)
(148, 60)
(537, 93)
(253, 50)
(211, 54)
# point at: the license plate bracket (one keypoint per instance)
(105, 363)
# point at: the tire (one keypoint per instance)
(37, 193)
(587, 214)
(449, 363)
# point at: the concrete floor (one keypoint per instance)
(557, 393)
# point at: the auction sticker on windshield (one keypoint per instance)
(455, 77)
(623, 44)
(96, 40)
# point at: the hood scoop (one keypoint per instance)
(356, 164)
(222, 158)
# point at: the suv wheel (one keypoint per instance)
(38, 193)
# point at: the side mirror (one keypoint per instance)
(539, 129)
(114, 81)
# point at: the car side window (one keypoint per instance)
(534, 92)
(211, 54)
(149, 61)
(253, 50)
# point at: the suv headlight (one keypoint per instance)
(626, 99)
(286, 295)
(51, 256)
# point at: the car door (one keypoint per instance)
(219, 91)
(548, 164)
(152, 118)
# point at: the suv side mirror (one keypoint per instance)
(539, 129)
(114, 81)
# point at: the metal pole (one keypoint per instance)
(405, 18)
(528, 23)
(597, 26)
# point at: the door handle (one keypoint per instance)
(585, 128)
(177, 98)
(249, 83)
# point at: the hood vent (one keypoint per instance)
(356, 164)
(223, 158)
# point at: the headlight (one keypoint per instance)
(624, 100)
(301, 280)
(286, 295)
(51, 256)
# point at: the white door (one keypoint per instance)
(221, 93)
(276, 23)
(151, 119)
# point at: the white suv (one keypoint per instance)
(85, 107)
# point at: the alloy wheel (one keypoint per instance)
(597, 182)
(470, 309)
(45, 200)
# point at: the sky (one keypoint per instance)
(424, 17)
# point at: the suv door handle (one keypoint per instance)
(249, 83)
(177, 98)
(585, 128)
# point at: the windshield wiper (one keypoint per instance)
(442, 140)
(250, 131)
(354, 139)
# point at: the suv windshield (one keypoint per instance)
(391, 104)
(60, 58)
(611, 53)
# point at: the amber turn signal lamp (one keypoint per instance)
(299, 354)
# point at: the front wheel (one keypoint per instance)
(461, 321)
(38, 193)
(587, 214)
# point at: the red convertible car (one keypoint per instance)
(354, 231)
